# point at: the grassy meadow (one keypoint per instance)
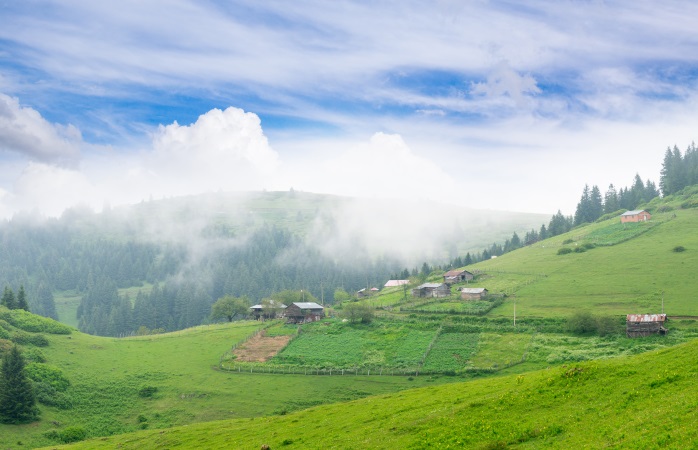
(646, 401)
(111, 384)
(483, 382)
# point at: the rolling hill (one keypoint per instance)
(567, 391)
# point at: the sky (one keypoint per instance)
(501, 105)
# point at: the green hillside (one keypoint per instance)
(545, 387)
(646, 401)
(629, 270)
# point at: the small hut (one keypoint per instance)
(473, 293)
(457, 276)
(641, 325)
(273, 308)
(301, 312)
(431, 290)
(640, 215)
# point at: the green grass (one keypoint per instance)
(628, 277)
(335, 344)
(646, 401)
(452, 352)
(106, 375)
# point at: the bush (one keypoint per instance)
(31, 322)
(73, 434)
(588, 245)
(567, 241)
(33, 355)
(607, 326)
(147, 391)
(579, 249)
(44, 373)
(679, 249)
(564, 251)
(49, 396)
(582, 322)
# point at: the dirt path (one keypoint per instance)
(261, 348)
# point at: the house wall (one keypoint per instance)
(468, 296)
(642, 217)
(642, 329)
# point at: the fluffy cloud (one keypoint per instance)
(24, 131)
(384, 167)
(221, 150)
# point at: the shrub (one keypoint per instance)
(607, 326)
(567, 241)
(44, 373)
(564, 251)
(73, 434)
(34, 355)
(582, 322)
(49, 396)
(588, 245)
(579, 249)
(147, 391)
(31, 322)
(679, 249)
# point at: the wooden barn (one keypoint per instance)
(273, 309)
(431, 290)
(640, 325)
(473, 293)
(301, 312)
(635, 216)
(457, 276)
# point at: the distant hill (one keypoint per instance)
(161, 264)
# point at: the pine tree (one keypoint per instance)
(17, 400)
(22, 299)
(611, 202)
(8, 299)
(595, 204)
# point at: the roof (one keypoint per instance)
(272, 303)
(374, 289)
(393, 283)
(634, 212)
(455, 273)
(430, 285)
(473, 290)
(308, 305)
(646, 317)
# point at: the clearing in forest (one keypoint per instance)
(261, 347)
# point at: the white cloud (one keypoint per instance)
(221, 150)
(505, 81)
(24, 131)
(383, 167)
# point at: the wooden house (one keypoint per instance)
(473, 293)
(640, 325)
(457, 276)
(431, 290)
(635, 216)
(301, 312)
(274, 309)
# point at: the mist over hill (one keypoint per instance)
(179, 255)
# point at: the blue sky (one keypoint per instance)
(487, 104)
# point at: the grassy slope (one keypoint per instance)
(647, 401)
(628, 277)
(106, 375)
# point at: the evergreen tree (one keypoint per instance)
(8, 299)
(17, 400)
(595, 204)
(22, 299)
(583, 212)
(611, 202)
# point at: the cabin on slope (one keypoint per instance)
(641, 325)
(639, 215)
(473, 293)
(431, 290)
(273, 309)
(302, 312)
(457, 276)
